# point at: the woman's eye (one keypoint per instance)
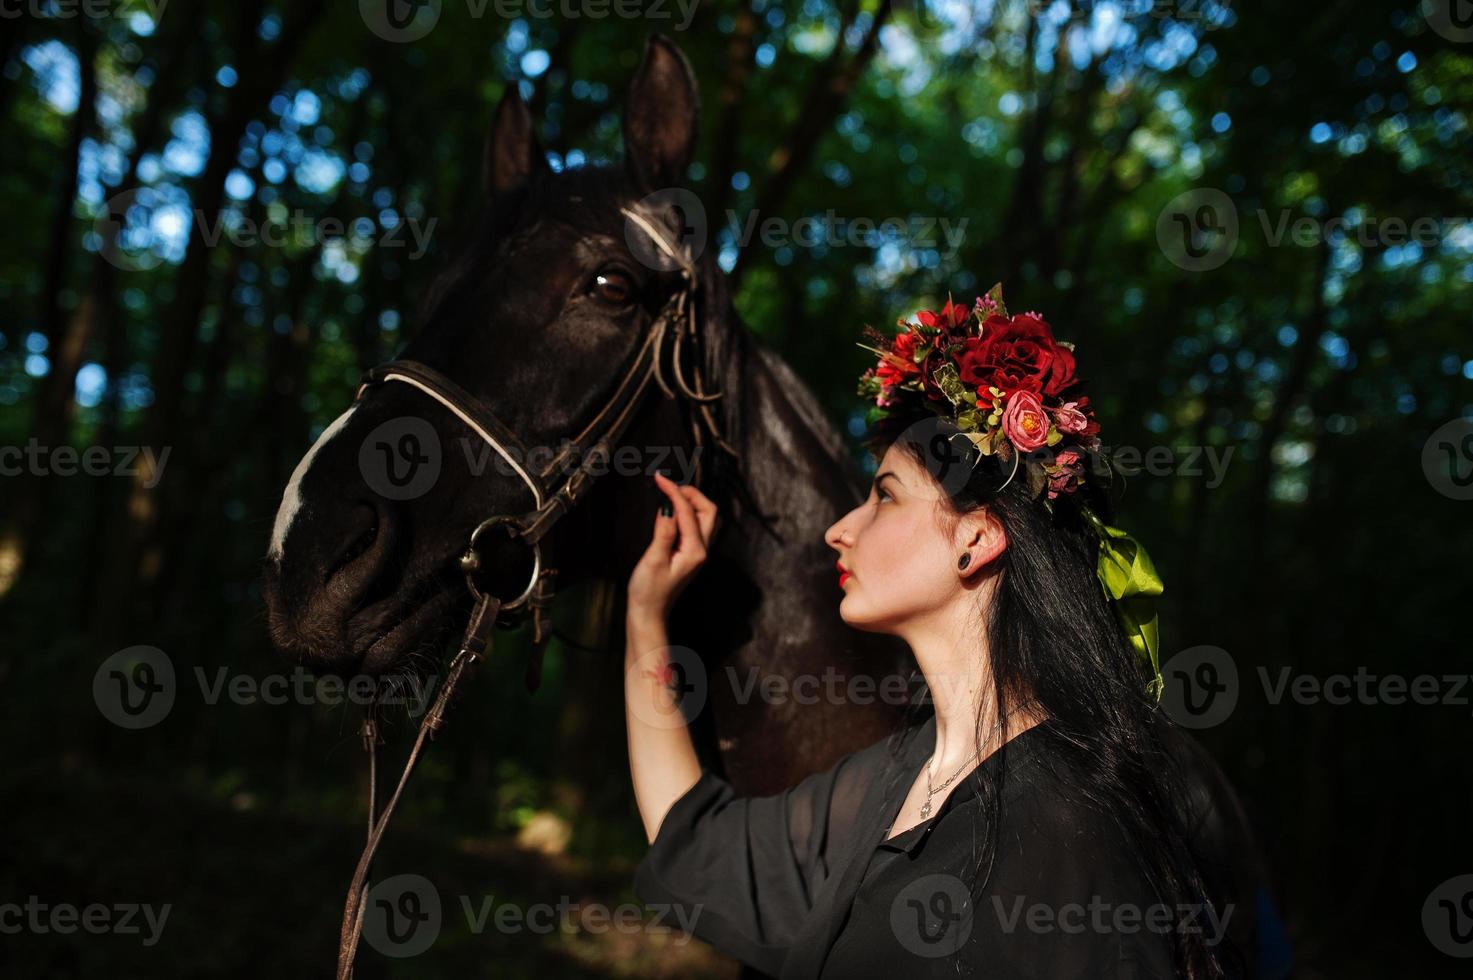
(613, 287)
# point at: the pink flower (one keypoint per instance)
(1066, 479)
(1070, 419)
(1024, 421)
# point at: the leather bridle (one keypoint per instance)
(587, 454)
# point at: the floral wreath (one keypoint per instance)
(1011, 389)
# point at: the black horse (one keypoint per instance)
(537, 321)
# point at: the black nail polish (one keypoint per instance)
(667, 509)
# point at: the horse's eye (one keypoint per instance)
(613, 287)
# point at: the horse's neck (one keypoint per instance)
(785, 597)
(793, 454)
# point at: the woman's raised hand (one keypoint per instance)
(677, 550)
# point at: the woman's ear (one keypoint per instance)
(983, 540)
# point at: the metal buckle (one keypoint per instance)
(470, 561)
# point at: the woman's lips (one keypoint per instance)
(844, 574)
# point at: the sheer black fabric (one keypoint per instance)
(804, 884)
(750, 870)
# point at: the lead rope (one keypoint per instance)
(476, 642)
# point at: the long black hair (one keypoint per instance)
(1055, 647)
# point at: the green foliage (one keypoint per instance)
(1049, 150)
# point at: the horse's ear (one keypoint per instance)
(661, 116)
(513, 154)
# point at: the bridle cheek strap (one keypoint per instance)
(587, 453)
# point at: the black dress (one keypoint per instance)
(802, 884)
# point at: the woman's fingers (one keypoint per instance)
(706, 513)
(691, 540)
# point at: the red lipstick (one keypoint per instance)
(844, 573)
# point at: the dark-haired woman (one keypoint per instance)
(1035, 817)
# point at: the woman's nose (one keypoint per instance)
(835, 536)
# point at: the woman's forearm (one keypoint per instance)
(662, 759)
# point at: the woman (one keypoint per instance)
(1033, 823)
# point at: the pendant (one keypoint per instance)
(925, 809)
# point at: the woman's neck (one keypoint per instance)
(954, 659)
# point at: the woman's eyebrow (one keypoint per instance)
(881, 476)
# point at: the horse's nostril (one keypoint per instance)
(363, 537)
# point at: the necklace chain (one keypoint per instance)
(926, 806)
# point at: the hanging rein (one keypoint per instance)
(591, 448)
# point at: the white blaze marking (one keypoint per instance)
(291, 498)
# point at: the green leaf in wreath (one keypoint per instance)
(1037, 479)
(949, 382)
(995, 293)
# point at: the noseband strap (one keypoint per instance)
(587, 454)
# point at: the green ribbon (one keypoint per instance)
(1130, 582)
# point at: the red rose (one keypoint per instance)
(1017, 354)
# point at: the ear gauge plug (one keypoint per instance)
(966, 560)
